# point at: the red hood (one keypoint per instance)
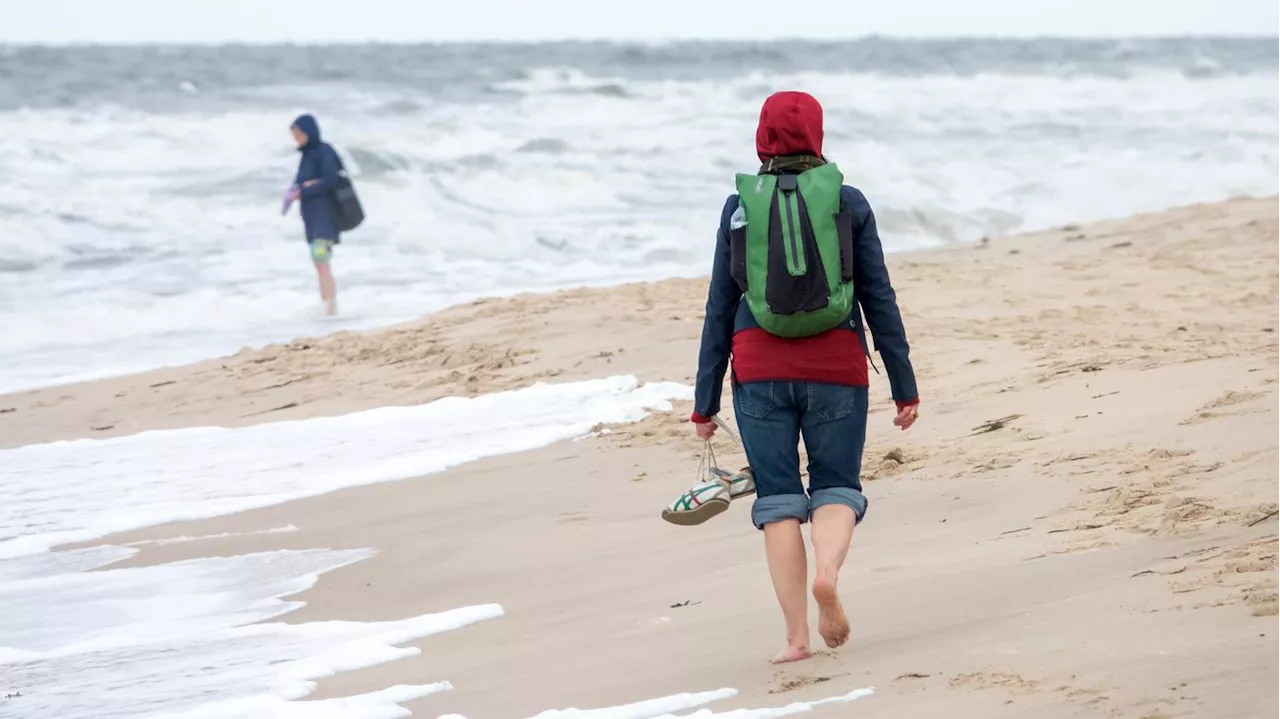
(790, 124)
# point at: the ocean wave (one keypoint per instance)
(547, 145)
(373, 162)
(564, 81)
(142, 235)
(159, 78)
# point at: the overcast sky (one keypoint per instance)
(204, 21)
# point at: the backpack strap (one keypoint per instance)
(738, 247)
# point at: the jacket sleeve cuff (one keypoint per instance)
(909, 403)
(699, 419)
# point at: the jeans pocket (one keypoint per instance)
(755, 399)
(830, 402)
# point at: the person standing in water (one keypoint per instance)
(318, 173)
(797, 255)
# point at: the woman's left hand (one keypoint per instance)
(705, 430)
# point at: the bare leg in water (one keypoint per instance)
(328, 288)
(832, 532)
(788, 567)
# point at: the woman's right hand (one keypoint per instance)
(907, 417)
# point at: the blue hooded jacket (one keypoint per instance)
(319, 162)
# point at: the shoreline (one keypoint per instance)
(1126, 500)
(453, 360)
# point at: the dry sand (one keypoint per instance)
(1082, 524)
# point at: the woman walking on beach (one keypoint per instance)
(319, 169)
(796, 255)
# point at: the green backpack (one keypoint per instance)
(793, 259)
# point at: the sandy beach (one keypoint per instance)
(1081, 524)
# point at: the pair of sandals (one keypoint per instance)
(711, 495)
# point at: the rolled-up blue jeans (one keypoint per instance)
(772, 416)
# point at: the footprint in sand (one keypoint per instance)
(786, 683)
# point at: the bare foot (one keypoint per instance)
(792, 653)
(833, 626)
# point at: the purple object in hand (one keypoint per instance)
(290, 194)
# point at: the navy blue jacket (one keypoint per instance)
(319, 162)
(727, 314)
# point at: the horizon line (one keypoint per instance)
(334, 42)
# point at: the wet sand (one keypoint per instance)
(1081, 524)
